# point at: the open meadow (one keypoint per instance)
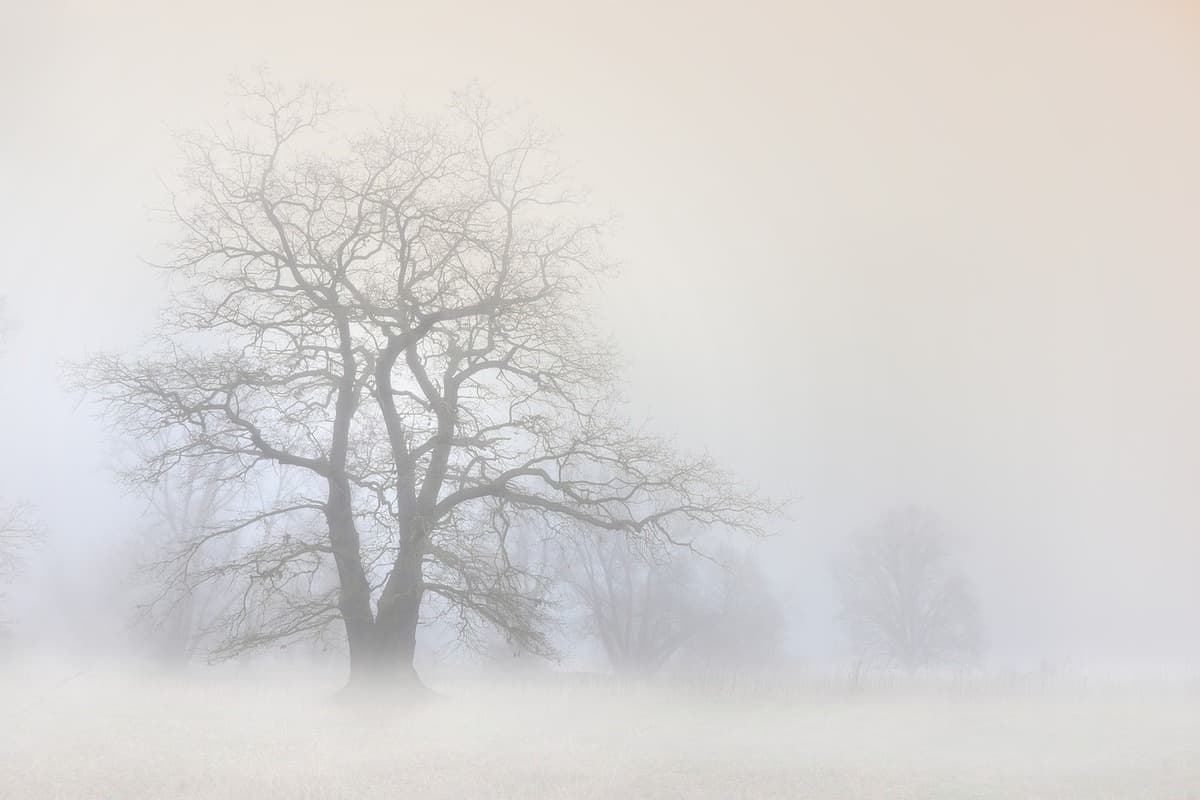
(600, 400)
(101, 737)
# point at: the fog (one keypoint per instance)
(918, 278)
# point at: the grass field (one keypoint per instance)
(263, 737)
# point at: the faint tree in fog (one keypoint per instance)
(901, 600)
(744, 631)
(397, 317)
(18, 535)
(641, 600)
(529, 556)
(19, 532)
(185, 505)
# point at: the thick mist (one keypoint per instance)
(894, 302)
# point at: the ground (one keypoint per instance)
(263, 736)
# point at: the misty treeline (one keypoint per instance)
(377, 399)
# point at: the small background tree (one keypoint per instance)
(902, 601)
(176, 617)
(641, 600)
(743, 632)
(18, 529)
(18, 533)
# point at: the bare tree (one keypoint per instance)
(398, 317)
(641, 600)
(902, 602)
(531, 567)
(653, 605)
(18, 535)
(18, 530)
(743, 632)
(179, 614)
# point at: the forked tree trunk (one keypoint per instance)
(398, 615)
(382, 654)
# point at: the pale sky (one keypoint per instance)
(873, 253)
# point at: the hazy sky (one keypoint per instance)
(874, 252)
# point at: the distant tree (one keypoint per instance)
(18, 533)
(901, 600)
(184, 602)
(743, 631)
(18, 529)
(528, 566)
(641, 600)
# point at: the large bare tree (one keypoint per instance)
(901, 598)
(398, 316)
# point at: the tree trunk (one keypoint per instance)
(399, 613)
(354, 596)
